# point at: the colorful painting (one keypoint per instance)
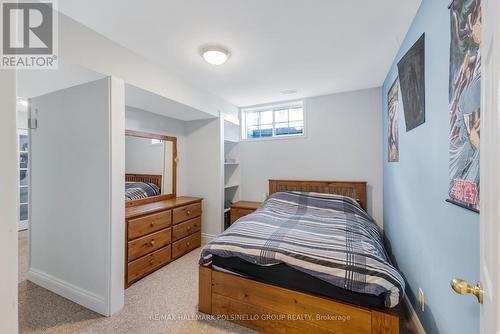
(465, 103)
(411, 70)
(392, 117)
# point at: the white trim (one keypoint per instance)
(69, 291)
(280, 137)
(115, 252)
(109, 231)
(29, 188)
(415, 321)
(206, 238)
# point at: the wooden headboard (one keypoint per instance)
(356, 190)
(155, 179)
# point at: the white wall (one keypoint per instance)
(231, 129)
(143, 157)
(204, 167)
(75, 221)
(22, 116)
(199, 171)
(140, 120)
(8, 202)
(343, 142)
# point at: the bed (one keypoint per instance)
(310, 253)
(140, 186)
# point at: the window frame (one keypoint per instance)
(274, 107)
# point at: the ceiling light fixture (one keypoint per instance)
(215, 55)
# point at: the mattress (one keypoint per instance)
(328, 237)
(287, 277)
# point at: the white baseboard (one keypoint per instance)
(415, 321)
(206, 238)
(69, 291)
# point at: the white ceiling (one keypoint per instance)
(313, 46)
(31, 83)
(35, 83)
(142, 99)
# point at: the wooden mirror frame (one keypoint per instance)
(175, 160)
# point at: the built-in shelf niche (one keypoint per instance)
(232, 173)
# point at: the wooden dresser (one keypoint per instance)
(243, 208)
(159, 232)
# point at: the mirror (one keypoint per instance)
(150, 165)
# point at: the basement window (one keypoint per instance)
(273, 121)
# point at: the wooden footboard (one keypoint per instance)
(270, 309)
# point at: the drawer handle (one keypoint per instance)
(152, 225)
(188, 243)
(152, 242)
(189, 228)
(151, 261)
(188, 212)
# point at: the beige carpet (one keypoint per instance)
(163, 302)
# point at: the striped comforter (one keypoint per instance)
(327, 236)
(138, 190)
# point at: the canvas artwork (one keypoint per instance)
(411, 69)
(465, 103)
(392, 117)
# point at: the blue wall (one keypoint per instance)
(431, 241)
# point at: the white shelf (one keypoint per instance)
(232, 167)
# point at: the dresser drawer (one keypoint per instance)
(182, 230)
(148, 224)
(148, 263)
(237, 213)
(186, 212)
(148, 243)
(185, 245)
